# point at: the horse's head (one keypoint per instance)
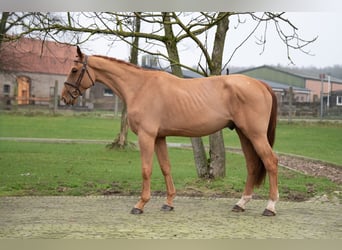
(80, 78)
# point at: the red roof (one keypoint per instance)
(37, 56)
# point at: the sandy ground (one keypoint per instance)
(108, 217)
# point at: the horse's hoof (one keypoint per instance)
(136, 211)
(166, 208)
(268, 212)
(238, 209)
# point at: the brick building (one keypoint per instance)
(29, 69)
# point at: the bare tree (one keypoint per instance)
(200, 157)
(7, 22)
(217, 149)
(121, 140)
(3, 25)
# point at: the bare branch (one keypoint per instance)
(71, 28)
(292, 40)
(242, 43)
(194, 38)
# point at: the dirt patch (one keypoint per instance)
(312, 167)
(308, 166)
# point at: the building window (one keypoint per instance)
(339, 100)
(7, 89)
(107, 92)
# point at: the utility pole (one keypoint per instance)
(55, 97)
(329, 92)
(290, 103)
(321, 76)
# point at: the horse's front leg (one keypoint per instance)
(165, 166)
(146, 144)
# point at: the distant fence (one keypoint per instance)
(14, 102)
(33, 100)
(308, 110)
(296, 110)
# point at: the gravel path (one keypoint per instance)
(102, 217)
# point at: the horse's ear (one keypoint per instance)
(79, 53)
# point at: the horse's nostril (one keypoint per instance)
(65, 100)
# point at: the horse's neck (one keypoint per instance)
(118, 76)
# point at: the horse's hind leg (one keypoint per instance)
(164, 162)
(252, 160)
(270, 161)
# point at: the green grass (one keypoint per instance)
(80, 127)
(88, 169)
(315, 140)
(85, 169)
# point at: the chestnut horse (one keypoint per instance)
(160, 104)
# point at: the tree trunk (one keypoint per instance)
(217, 152)
(171, 45)
(200, 157)
(121, 140)
(3, 22)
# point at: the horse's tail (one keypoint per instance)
(260, 177)
(273, 118)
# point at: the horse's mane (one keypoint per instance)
(122, 62)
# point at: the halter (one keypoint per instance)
(77, 85)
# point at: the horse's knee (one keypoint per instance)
(165, 170)
(146, 173)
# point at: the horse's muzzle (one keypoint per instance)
(64, 100)
(67, 100)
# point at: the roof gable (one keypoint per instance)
(290, 73)
(37, 56)
(281, 86)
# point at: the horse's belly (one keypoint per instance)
(193, 128)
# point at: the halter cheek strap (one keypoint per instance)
(77, 85)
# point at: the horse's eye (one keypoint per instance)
(74, 70)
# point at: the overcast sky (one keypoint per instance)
(326, 50)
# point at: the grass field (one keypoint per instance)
(84, 169)
(315, 140)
